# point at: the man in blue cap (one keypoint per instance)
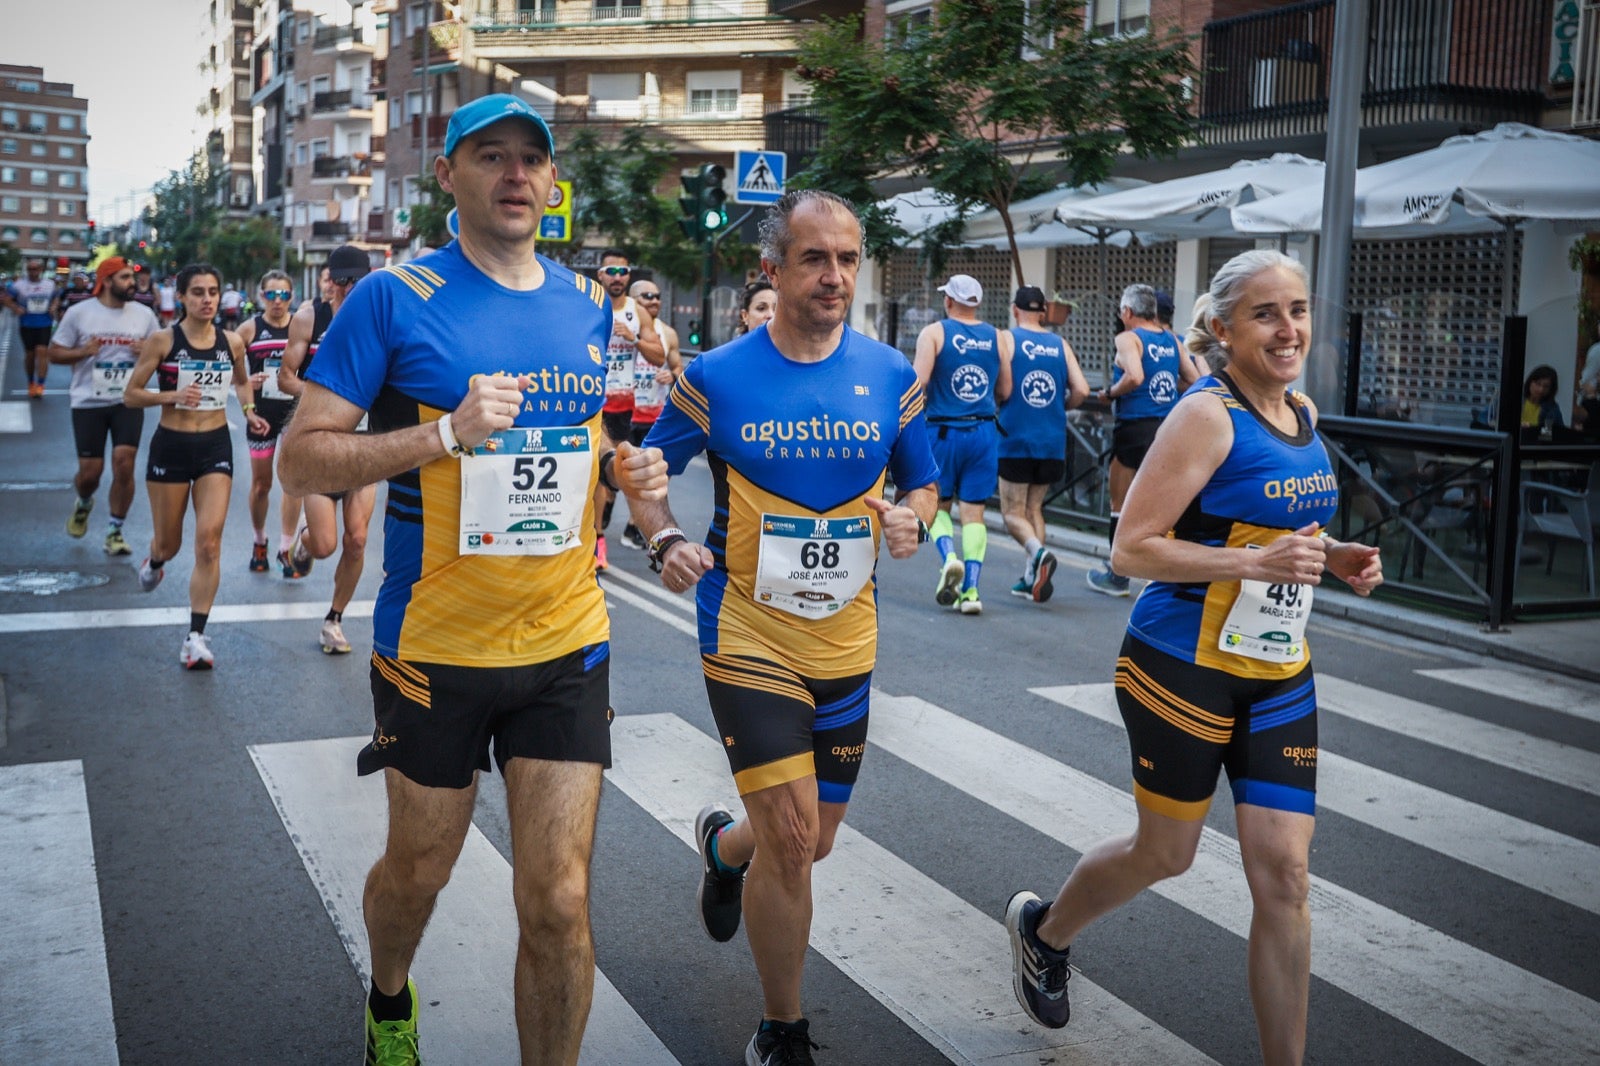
(482, 369)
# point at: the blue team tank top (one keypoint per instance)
(1159, 391)
(964, 372)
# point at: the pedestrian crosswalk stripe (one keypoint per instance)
(55, 990)
(465, 965)
(1566, 697)
(1547, 759)
(1542, 859)
(47, 621)
(1461, 996)
(942, 966)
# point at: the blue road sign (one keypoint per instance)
(759, 176)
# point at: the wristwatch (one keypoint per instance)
(659, 544)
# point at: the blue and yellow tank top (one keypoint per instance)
(1270, 485)
(964, 372)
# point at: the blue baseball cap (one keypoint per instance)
(486, 111)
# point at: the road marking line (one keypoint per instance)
(465, 964)
(942, 966)
(1462, 734)
(55, 992)
(1522, 852)
(1461, 996)
(44, 621)
(1566, 697)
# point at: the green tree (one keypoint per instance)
(428, 216)
(992, 102)
(243, 251)
(184, 214)
(10, 258)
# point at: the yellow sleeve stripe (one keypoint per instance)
(423, 272)
(779, 772)
(417, 694)
(590, 288)
(911, 412)
(695, 416)
(913, 393)
(685, 399)
(416, 286)
(693, 393)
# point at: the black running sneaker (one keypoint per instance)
(781, 1044)
(1039, 973)
(721, 894)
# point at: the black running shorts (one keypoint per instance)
(1021, 471)
(777, 726)
(92, 425)
(177, 457)
(436, 724)
(276, 413)
(616, 424)
(1130, 440)
(1186, 722)
(34, 337)
(638, 431)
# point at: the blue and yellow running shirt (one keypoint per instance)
(1033, 420)
(793, 449)
(404, 347)
(1158, 351)
(1269, 485)
(961, 385)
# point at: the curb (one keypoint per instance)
(1349, 609)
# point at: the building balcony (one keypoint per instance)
(437, 125)
(815, 9)
(380, 145)
(378, 81)
(341, 102)
(1451, 63)
(444, 43)
(356, 168)
(604, 29)
(331, 231)
(690, 127)
(342, 38)
(797, 131)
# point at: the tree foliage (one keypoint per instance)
(991, 102)
(429, 214)
(10, 258)
(245, 250)
(184, 215)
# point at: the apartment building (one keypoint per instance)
(44, 175)
(230, 146)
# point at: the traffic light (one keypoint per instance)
(89, 238)
(694, 333)
(702, 202)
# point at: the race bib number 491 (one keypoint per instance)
(523, 492)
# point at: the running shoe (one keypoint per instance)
(300, 555)
(950, 578)
(394, 1043)
(78, 524)
(286, 566)
(781, 1044)
(721, 894)
(333, 642)
(968, 602)
(258, 559)
(633, 538)
(115, 545)
(1104, 580)
(600, 560)
(196, 652)
(149, 576)
(1039, 973)
(35, 390)
(1044, 568)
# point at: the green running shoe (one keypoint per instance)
(78, 524)
(394, 1043)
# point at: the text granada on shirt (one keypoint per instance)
(825, 438)
(552, 391)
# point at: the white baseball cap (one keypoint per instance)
(963, 289)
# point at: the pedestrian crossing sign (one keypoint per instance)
(759, 176)
(556, 225)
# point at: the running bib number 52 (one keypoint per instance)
(812, 567)
(1268, 622)
(523, 492)
(212, 377)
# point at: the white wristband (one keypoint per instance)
(447, 437)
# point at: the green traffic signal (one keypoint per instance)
(713, 215)
(694, 333)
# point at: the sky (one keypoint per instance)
(137, 63)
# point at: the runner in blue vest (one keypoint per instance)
(1150, 372)
(964, 366)
(1033, 441)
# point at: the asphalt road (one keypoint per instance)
(181, 854)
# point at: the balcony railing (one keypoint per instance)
(797, 131)
(341, 166)
(503, 16)
(814, 9)
(437, 125)
(334, 36)
(1471, 62)
(380, 143)
(652, 110)
(339, 100)
(330, 229)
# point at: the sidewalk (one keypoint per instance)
(1563, 648)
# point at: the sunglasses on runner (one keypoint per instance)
(277, 294)
(649, 296)
(344, 281)
(616, 272)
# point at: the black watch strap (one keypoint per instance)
(663, 540)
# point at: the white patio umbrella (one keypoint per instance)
(1038, 213)
(1193, 206)
(1477, 182)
